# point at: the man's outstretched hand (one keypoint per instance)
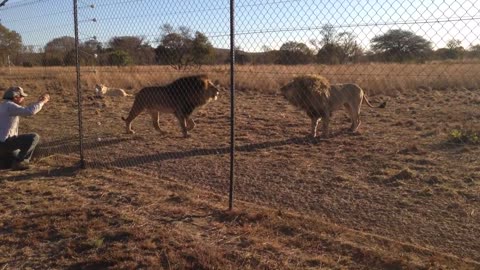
(44, 98)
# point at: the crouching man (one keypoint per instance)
(17, 149)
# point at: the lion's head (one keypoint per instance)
(100, 89)
(212, 91)
(300, 90)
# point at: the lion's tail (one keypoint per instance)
(383, 105)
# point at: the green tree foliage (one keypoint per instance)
(119, 58)
(294, 53)
(137, 48)
(10, 44)
(181, 49)
(400, 46)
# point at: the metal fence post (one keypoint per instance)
(79, 93)
(232, 102)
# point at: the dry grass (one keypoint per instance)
(375, 78)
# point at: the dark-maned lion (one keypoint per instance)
(181, 97)
(315, 95)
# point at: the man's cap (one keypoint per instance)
(14, 91)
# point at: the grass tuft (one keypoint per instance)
(464, 136)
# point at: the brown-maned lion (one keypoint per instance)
(181, 97)
(315, 95)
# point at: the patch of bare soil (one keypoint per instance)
(396, 196)
(58, 217)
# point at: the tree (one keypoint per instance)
(352, 51)
(202, 49)
(400, 45)
(331, 53)
(295, 53)
(455, 49)
(336, 48)
(138, 49)
(119, 58)
(10, 44)
(328, 33)
(58, 51)
(474, 51)
(127, 43)
(181, 50)
(62, 44)
(89, 52)
(241, 57)
(29, 57)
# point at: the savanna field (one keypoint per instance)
(404, 193)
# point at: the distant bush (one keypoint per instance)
(119, 58)
(27, 64)
(464, 137)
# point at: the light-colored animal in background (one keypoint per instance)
(315, 95)
(102, 90)
(181, 98)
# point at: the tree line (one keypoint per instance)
(181, 48)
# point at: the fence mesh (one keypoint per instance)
(421, 58)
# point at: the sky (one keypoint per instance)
(258, 23)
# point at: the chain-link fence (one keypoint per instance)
(141, 60)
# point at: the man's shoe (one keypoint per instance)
(20, 166)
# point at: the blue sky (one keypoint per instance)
(258, 23)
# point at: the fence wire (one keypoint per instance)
(297, 62)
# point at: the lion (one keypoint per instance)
(181, 98)
(102, 90)
(319, 99)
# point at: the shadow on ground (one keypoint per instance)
(139, 160)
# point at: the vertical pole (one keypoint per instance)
(79, 93)
(232, 102)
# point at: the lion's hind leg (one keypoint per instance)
(351, 114)
(155, 119)
(354, 114)
(355, 119)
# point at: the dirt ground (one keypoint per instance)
(398, 195)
